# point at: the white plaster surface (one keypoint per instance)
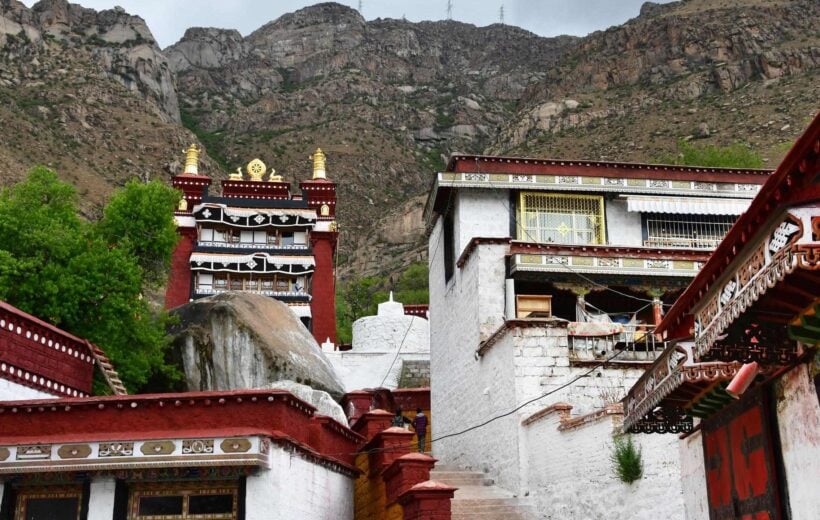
(1, 494)
(11, 391)
(693, 477)
(372, 362)
(798, 419)
(623, 228)
(570, 474)
(480, 213)
(101, 498)
(295, 488)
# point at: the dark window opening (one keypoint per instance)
(52, 508)
(449, 246)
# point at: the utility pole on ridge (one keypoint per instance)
(501, 14)
(449, 9)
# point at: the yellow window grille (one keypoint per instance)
(561, 219)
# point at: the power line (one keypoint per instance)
(360, 8)
(398, 351)
(501, 14)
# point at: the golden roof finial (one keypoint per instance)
(319, 164)
(192, 160)
(273, 177)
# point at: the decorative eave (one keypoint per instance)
(255, 263)
(670, 263)
(477, 171)
(253, 218)
(793, 183)
(218, 428)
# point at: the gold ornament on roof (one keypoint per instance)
(256, 169)
(183, 204)
(319, 160)
(273, 177)
(236, 176)
(192, 160)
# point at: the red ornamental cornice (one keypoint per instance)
(794, 182)
(528, 166)
(531, 248)
(276, 414)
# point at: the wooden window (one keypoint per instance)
(260, 237)
(300, 238)
(449, 246)
(205, 280)
(206, 235)
(52, 503)
(561, 219)
(217, 501)
(246, 237)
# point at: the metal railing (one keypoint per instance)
(637, 342)
(703, 233)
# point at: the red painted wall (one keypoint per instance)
(323, 290)
(178, 291)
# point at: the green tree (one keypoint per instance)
(736, 155)
(359, 298)
(69, 272)
(139, 219)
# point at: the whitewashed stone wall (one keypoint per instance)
(101, 498)
(295, 488)
(466, 391)
(11, 391)
(623, 227)
(798, 419)
(570, 474)
(693, 477)
(542, 364)
(480, 213)
(372, 361)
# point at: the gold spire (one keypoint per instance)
(192, 160)
(319, 164)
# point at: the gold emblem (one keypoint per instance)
(256, 169)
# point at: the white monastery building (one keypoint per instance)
(547, 279)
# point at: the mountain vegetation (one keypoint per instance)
(88, 278)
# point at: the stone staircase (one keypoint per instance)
(478, 497)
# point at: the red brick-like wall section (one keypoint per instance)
(323, 290)
(178, 291)
(37, 354)
(394, 483)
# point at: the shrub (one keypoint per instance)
(626, 459)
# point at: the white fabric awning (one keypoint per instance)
(687, 205)
(302, 311)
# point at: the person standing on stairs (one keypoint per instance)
(420, 425)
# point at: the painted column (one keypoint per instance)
(323, 286)
(101, 498)
(178, 291)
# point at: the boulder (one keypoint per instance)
(324, 403)
(239, 340)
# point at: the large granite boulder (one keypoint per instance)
(240, 340)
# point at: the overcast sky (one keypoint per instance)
(168, 19)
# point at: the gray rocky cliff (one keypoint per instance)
(240, 340)
(121, 44)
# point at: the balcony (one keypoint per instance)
(629, 342)
(606, 260)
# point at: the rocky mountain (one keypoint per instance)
(386, 99)
(726, 70)
(91, 94)
(87, 93)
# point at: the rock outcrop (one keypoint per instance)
(121, 44)
(240, 340)
(322, 400)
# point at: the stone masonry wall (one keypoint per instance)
(465, 391)
(542, 364)
(570, 474)
(415, 374)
